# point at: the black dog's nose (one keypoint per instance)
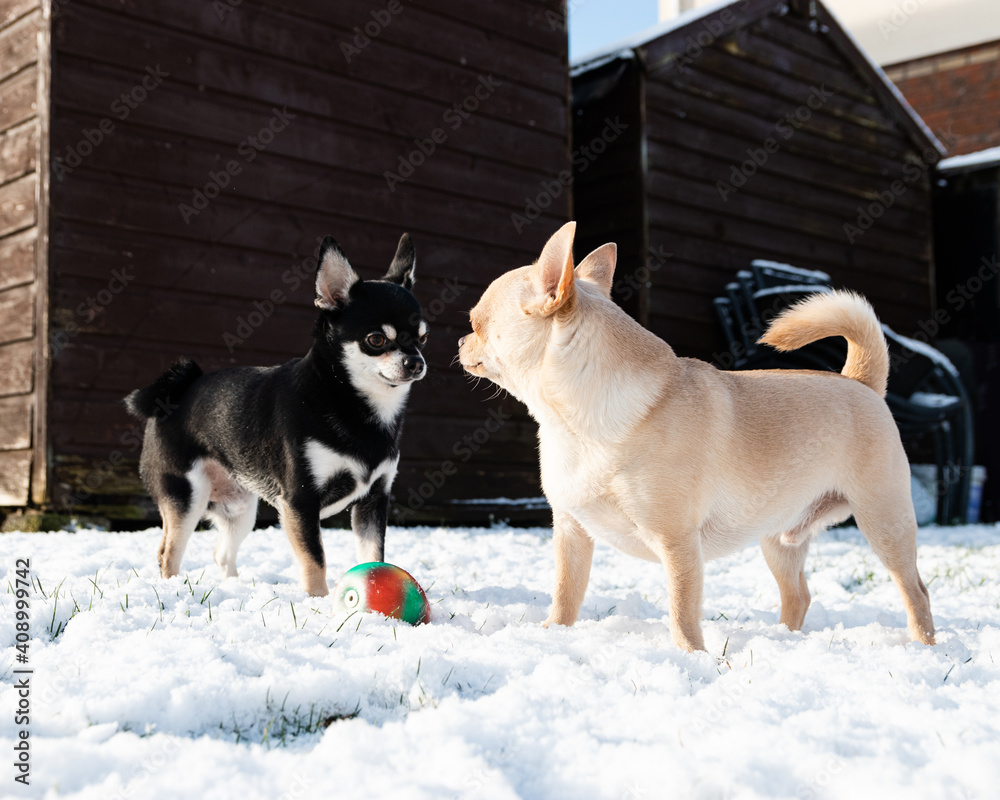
(412, 364)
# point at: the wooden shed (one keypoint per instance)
(167, 170)
(750, 130)
(967, 251)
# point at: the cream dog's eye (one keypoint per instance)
(375, 340)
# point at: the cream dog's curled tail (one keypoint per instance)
(837, 314)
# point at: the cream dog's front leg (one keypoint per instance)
(682, 560)
(574, 551)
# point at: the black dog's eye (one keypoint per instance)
(422, 339)
(375, 340)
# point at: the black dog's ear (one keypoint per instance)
(403, 266)
(335, 277)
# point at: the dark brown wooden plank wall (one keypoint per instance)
(20, 23)
(608, 177)
(706, 113)
(137, 280)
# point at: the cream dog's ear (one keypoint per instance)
(599, 267)
(552, 274)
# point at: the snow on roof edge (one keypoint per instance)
(880, 74)
(625, 48)
(626, 54)
(628, 44)
(990, 157)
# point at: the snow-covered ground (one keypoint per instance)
(199, 687)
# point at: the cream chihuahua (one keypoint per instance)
(672, 460)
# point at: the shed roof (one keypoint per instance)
(982, 159)
(657, 46)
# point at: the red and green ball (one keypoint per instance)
(384, 589)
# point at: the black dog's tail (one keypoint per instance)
(165, 392)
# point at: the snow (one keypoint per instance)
(990, 157)
(810, 274)
(200, 686)
(934, 400)
(530, 502)
(922, 348)
(792, 288)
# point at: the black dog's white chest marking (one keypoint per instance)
(313, 436)
(352, 476)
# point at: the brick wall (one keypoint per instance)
(958, 95)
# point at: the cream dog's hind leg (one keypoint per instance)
(891, 530)
(787, 564)
(879, 496)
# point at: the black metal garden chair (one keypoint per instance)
(926, 396)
